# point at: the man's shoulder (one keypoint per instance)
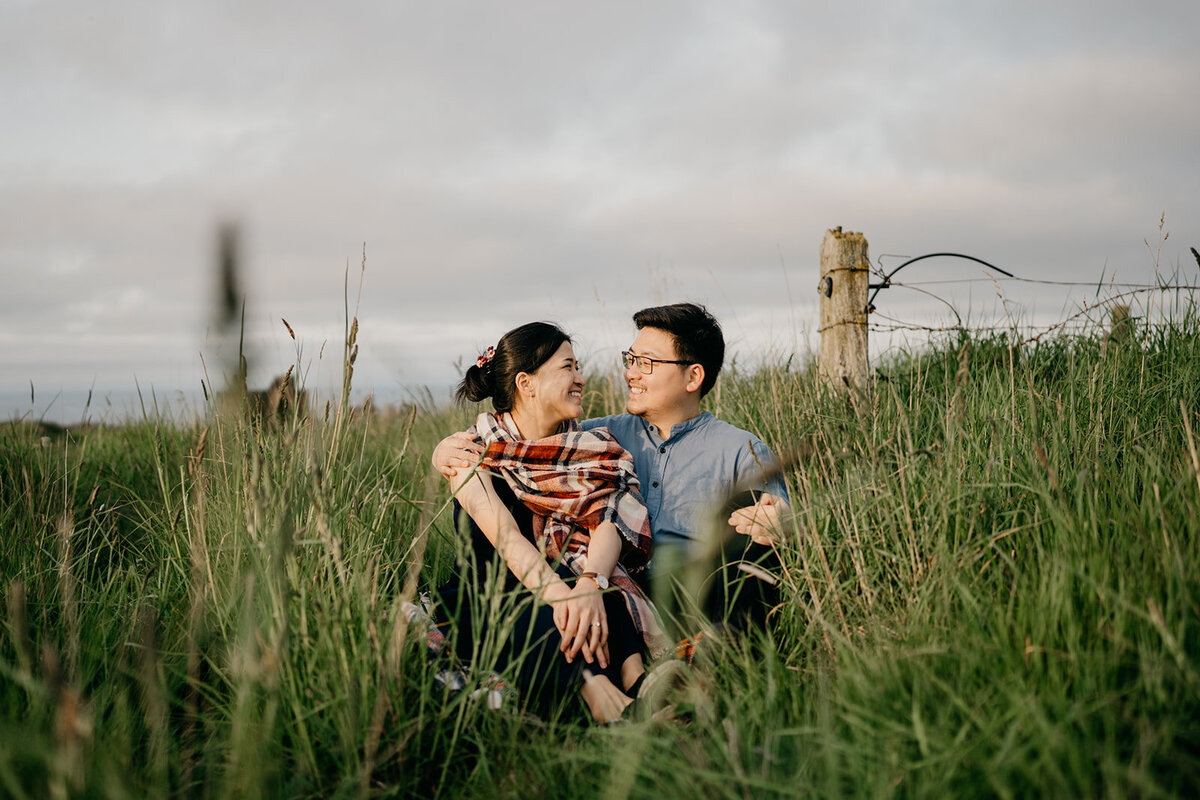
(719, 429)
(753, 460)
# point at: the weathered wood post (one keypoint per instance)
(843, 288)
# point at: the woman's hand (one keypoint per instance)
(585, 624)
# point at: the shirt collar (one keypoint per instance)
(679, 428)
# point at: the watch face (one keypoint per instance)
(602, 582)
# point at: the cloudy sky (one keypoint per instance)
(502, 162)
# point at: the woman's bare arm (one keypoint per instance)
(575, 608)
(478, 498)
(604, 549)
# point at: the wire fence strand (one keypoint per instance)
(1079, 284)
(1032, 333)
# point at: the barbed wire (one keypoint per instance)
(903, 325)
(1015, 279)
(1034, 332)
(1086, 310)
(1118, 293)
(1006, 276)
(1130, 290)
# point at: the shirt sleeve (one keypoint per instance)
(758, 459)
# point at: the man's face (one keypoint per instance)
(665, 388)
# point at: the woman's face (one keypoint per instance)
(558, 386)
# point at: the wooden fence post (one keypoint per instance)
(843, 288)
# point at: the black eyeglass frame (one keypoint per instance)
(628, 359)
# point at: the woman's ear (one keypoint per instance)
(526, 384)
(695, 377)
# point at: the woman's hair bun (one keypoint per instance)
(495, 372)
(476, 385)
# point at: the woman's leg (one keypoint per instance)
(632, 668)
(625, 644)
(604, 691)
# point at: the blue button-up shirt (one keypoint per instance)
(684, 478)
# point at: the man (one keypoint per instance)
(689, 463)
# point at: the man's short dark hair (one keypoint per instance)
(697, 335)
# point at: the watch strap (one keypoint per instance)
(595, 577)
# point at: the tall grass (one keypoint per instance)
(991, 589)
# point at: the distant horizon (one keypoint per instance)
(116, 401)
(68, 407)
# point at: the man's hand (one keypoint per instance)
(458, 450)
(761, 521)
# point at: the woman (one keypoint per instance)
(560, 508)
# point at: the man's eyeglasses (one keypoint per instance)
(645, 364)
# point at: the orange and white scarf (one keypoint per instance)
(572, 481)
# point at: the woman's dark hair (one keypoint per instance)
(697, 335)
(522, 349)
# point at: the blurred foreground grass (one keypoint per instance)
(992, 589)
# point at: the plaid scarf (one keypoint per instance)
(572, 481)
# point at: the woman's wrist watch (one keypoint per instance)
(601, 581)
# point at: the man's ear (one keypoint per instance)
(695, 377)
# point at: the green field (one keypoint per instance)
(992, 583)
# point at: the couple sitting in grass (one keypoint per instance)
(572, 512)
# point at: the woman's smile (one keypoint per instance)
(560, 385)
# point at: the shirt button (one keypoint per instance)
(662, 449)
(654, 484)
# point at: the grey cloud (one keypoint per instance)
(502, 162)
(1062, 119)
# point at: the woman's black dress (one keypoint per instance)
(494, 623)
